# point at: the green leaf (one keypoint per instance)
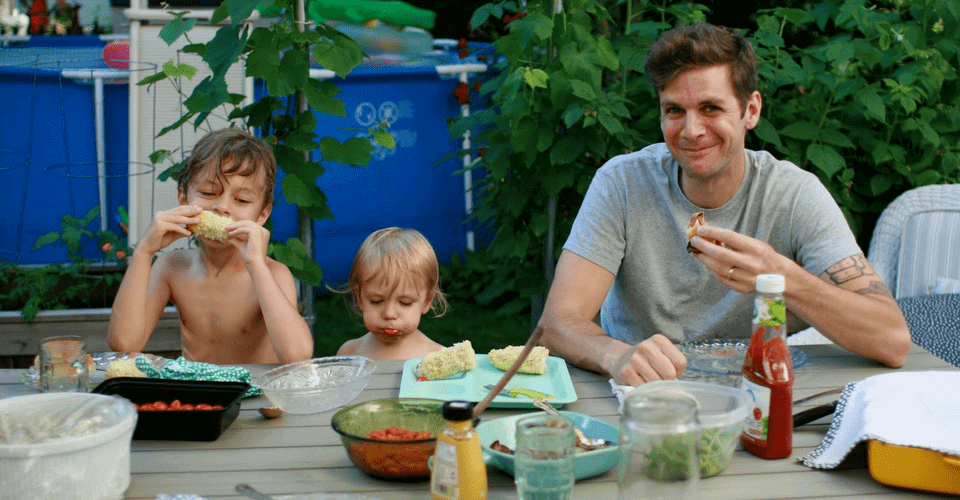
(837, 138)
(183, 119)
(583, 90)
(302, 265)
(159, 156)
(354, 151)
(632, 58)
(535, 77)
(46, 239)
(804, 131)
(175, 28)
(383, 137)
(158, 77)
(176, 70)
(612, 124)
(240, 10)
(768, 133)
(873, 106)
(207, 95)
(880, 184)
(339, 53)
(566, 150)
(319, 94)
(225, 49)
(572, 114)
(826, 158)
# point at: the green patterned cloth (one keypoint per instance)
(181, 369)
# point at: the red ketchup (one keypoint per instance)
(768, 375)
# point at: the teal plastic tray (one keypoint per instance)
(468, 386)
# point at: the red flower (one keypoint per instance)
(462, 93)
(476, 86)
(464, 53)
(462, 44)
(106, 247)
(121, 254)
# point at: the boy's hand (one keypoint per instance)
(167, 227)
(251, 239)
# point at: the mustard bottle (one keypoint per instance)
(459, 472)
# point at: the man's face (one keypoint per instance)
(703, 124)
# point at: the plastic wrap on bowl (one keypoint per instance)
(65, 445)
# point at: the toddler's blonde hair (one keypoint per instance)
(393, 254)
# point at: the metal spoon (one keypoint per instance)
(585, 442)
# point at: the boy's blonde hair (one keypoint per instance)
(392, 254)
(245, 154)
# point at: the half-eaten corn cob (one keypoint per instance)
(212, 226)
(448, 361)
(535, 364)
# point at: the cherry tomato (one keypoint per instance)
(175, 405)
(186, 407)
(203, 406)
(161, 406)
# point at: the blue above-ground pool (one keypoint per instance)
(414, 185)
(48, 159)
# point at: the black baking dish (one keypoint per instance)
(193, 425)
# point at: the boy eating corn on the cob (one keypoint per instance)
(236, 305)
(393, 281)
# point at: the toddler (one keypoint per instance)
(394, 280)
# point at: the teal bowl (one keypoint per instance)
(586, 463)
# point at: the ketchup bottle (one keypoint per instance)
(768, 374)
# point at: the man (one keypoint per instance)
(626, 250)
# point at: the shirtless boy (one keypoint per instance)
(236, 305)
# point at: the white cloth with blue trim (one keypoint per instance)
(915, 409)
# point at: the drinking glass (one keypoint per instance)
(543, 461)
(63, 364)
(659, 447)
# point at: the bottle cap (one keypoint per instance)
(458, 411)
(770, 283)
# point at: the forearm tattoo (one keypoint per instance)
(855, 267)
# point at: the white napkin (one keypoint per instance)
(916, 409)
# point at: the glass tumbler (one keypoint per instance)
(543, 460)
(659, 447)
(63, 364)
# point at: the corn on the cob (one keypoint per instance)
(212, 226)
(535, 364)
(459, 357)
(124, 368)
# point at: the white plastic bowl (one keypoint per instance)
(721, 411)
(318, 384)
(92, 465)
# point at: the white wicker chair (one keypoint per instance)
(917, 240)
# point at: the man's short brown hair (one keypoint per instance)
(699, 45)
(232, 151)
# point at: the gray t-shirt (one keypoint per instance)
(633, 223)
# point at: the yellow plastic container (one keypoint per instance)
(914, 468)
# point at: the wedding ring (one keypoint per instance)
(730, 273)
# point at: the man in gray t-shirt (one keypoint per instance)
(626, 254)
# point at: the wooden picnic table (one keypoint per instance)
(302, 453)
